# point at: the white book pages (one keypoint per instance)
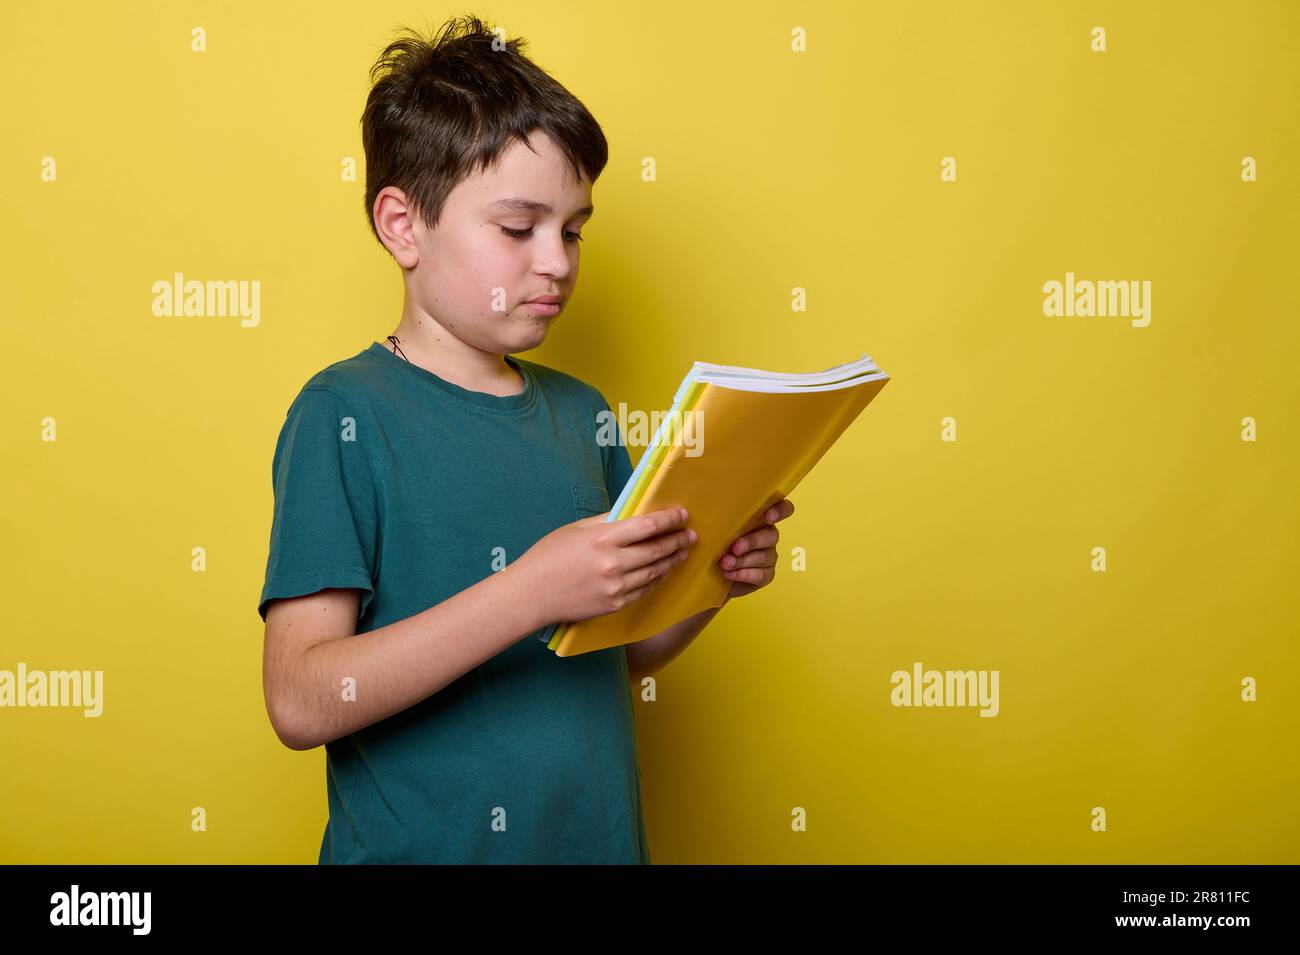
(777, 387)
(711, 372)
(756, 379)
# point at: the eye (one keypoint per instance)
(525, 233)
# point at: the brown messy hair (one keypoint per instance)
(445, 107)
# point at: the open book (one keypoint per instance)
(736, 441)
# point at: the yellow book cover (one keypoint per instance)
(735, 441)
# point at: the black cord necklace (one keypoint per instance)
(396, 349)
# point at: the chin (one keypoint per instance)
(535, 333)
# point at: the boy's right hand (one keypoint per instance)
(590, 567)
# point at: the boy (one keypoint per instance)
(440, 503)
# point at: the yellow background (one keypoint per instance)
(775, 169)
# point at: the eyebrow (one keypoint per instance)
(521, 204)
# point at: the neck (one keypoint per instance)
(426, 343)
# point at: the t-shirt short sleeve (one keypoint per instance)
(324, 531)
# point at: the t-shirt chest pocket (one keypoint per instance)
(590, 499)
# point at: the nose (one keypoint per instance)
(553, 258)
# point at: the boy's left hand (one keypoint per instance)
(750, 561)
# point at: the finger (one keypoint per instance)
(771, 515)
(648, 574)
(632, 529)
(643, 590)
(765, 557)
(778, 511)
(656, 548)
(763, 537)
(757, 576)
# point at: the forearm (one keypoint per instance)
(649, 656)
(396, 666)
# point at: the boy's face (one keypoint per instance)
(494, 249)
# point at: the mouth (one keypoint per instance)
(545, 305)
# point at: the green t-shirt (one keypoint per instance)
(410, 488)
